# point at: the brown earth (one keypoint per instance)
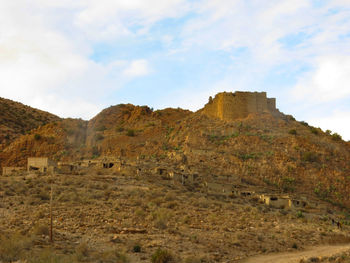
(106, 213)
(104, 218)
(270, 151)
(317, 254)
(16, 119)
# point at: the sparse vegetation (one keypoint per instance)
(37, 137)
(300, 214)
(99, 137)
(309, 157)
(137, 249)
(162, 256)
(131, 133)
(314, 130)
(293, 132)
(336, 137)
(101, 128)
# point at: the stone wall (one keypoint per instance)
(230, 106)
(41, 164)
(12, 170)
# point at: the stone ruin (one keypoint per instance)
(230, 106)
(12, 170)
(41, 164)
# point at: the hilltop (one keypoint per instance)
(16, 119)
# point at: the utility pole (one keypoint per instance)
(51, 223)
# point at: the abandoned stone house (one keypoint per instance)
(283, 202)
(66, 167)
(293, 203)
(41, 164)
(276, 201)
(12, 170)
(218, 188)
(161, 171)
(243, 193)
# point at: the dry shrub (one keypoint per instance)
(192, 259)
(140, 213)
(161, 217)
(41, 229)
(338, 239)
(171, 205)
(48, 255)
(162, 256)
(13, 247)
(82, 251)
(170, 196)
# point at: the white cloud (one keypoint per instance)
(330, 80)
(43, 66)
(137, 68)
(260, 27)
(109, 19)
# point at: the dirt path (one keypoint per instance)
(294, 257)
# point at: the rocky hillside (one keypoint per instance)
(16, 119)
(262, 149)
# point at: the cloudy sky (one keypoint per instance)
(74, 58)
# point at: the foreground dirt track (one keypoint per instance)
(295, 257)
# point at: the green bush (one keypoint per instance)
(336, 137)
(300, 214)
(99, 137)
(101, 128)
(162, 256)
(290, 117)
(314, 130)
(37, 137)
(137, 249)
(293, 132)
(130, 133)
(309, 157)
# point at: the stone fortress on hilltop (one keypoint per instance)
(230, 106)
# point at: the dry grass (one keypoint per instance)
(168, 216)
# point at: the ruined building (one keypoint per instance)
(231, 106)
(41, 164)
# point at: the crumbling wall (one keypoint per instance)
(42, 164)
(231, 106)
(12, 170)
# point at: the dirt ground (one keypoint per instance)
(316, 254)
(114, 218)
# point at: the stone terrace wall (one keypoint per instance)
(230, 106)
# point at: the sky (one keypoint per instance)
(75, 58)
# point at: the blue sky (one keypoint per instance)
(74, 58)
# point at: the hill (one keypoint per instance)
(16, 119)
(265, 146)
(172, 181)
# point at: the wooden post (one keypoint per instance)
(51, 223)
